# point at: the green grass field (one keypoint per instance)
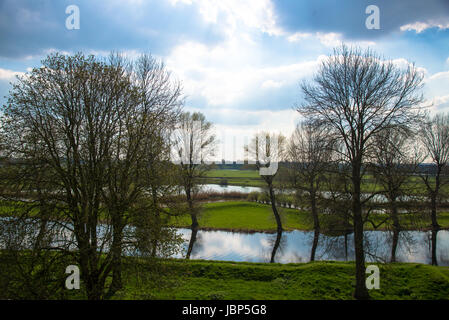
(226, 173)
(245, 216)
(315, 280)
(252, 216)
(227, 280)
(234, 177)
(249, 216)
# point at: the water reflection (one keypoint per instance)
(296, 246)
(277, 243)
(226, 188)
(378, 198)
(285, 247)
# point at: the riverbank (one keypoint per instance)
(180, 279)
(315, 280)
(245, 216)
(250, 217)
(244, 178)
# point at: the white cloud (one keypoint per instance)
(6, 74)
(436, 91)
(436, 104)
(440, 101)
(404, 64)
(237, 67)
(225, 73)
(272, 84)
(298, 36)
(333, 39)
(233, 14)
(419, 26)
(330, 39)
(439, 76)
(327, 39)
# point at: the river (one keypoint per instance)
(414, 246)
(295, 246)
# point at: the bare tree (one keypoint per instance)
(356, 95)
(267, 150)
(395, 162)
(193, 143)
(336, 203)
(89, 124)
(310, 153)
(435, 140)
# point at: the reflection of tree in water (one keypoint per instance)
(399, 242)
(276, 243)
(196, 242)
(409, 243)
(313, 241)
(377, 245)
(443, 257)
(335, 247)
(341, 247)
(375, 249)
(431, 241)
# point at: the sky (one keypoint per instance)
(240, 61)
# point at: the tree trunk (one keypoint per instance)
(116, 262)
(316, 226)
(396, 229)
(275, 210)
(88, 262)
(361, 292)
(278, 221)
(434, 247)
(435, 227)
(316, 237)
(276, 246)
(433, 213)
(346, 245)
(90, 276)
(394, 244)
(194, 226)
(192, 238)
(157, 217)
(94, 290)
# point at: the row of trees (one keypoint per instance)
(89, 145)
(86, 166)
(364, 120)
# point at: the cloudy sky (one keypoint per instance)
(240, 61)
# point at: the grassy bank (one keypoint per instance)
(208, 280)
(316, 280)
(252, 216)
(234, 177)
(245, 216)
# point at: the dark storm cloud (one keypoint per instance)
(31, 27)
(348, 16)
